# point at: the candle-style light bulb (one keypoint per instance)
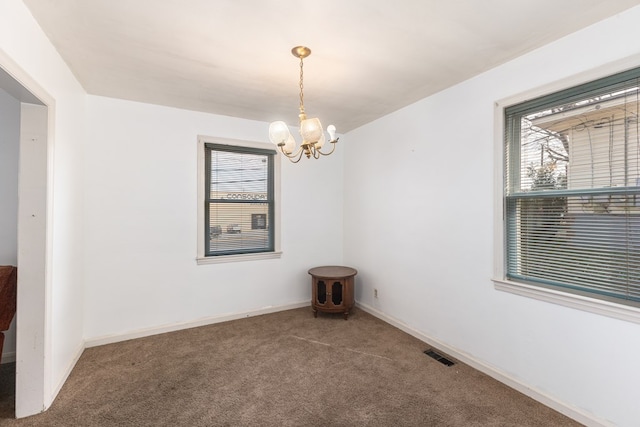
(331, 129)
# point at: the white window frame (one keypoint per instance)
(565, 298)
(201, 258)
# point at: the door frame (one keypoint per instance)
(33, 322)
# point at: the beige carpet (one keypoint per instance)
(281, 369)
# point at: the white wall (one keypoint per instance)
(419, 226)
(9, 151)
(27, 54)
(140, 217)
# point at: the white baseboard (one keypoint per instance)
(66, 374)
(11, 357)
(8, 357)
(140, 333)
(577, 414)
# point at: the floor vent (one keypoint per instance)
(440, 358)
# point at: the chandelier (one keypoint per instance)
(311, 130)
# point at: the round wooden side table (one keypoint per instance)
(332, 289)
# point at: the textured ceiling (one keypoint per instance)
(232, 57)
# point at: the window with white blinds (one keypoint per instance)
(572, 190)
(239, 201)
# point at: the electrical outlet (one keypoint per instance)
(375, 293)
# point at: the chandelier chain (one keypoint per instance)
(301, 93)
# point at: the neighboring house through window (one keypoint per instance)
(572, 190)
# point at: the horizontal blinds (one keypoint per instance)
(239, 200)
(573, 189)
(574, 242)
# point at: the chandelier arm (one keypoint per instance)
(292, 156)
(333, 143)
(296, 160)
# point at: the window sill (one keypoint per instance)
(237, 258)
(591, 305)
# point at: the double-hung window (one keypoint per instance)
(572, 190)
(239, 203)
